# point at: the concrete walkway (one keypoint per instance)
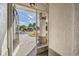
(27, 44)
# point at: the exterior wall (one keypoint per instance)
(61, 30)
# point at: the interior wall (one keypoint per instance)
(38, 6)
(76, 29)
(3, 28)
(61, 30)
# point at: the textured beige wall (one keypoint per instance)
(61, 28)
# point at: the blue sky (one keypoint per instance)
(26, 17)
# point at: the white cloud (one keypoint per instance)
(30, 16)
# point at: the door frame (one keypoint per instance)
(10, 20)
(9, 29)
